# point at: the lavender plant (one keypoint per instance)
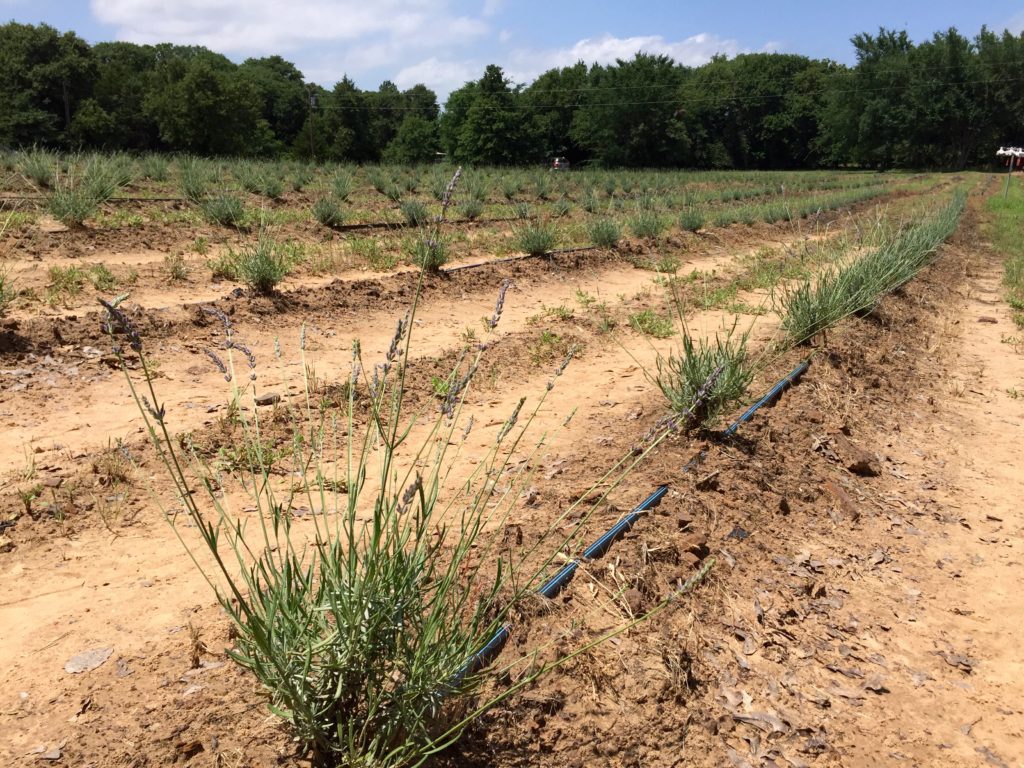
(359, 623)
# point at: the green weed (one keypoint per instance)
(650, 323)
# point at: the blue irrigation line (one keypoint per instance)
(557, 583)
(772, 393)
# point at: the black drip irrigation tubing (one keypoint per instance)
(519, 257)
(407, 225)
(770, 395)
(41, 199)
(549, 589)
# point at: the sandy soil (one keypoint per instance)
(854, 617)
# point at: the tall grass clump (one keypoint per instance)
(196, 177)
(154, 167)
(429, 251)
(70, 201)
(646, 224)
(7, 291)
(814, 306)
(263, 265)
(535, 238)
(301, 175)
(360, 626)
(471, 209)
(510, 187)
(224, 208)
(39, 166)
(604, 232)
(260, 179)
(680, 376)
(327, 211)
(102, 176)
(414, 212)
(691, 219)
(341, 186)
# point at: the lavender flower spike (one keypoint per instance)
(505, 285)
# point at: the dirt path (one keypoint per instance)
(875, 619)
(955, 603)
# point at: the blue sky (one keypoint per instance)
(444, 43)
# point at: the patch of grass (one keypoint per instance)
(39, 166)
(263, 265)
(226, 209)
(691, 219)
(327, 211)
(71, 203)
(510, 187)
(536, 238)
(584, 299)
(548, 347)
(341, 186)
(154, 167)
(561, 312)
(7, 292)
(369, 248)
(174, 267)
(224, 267)
(680, 376)
(812, 307)
(1007, 225)
(196, 176)
(471, 209)
(604, 232)
(650, 323)
(102, 176)
(646, 224)
(65, 283)
(429, 251)
(414, 212)
(101, 277)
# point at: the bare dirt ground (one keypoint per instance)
(862, 609)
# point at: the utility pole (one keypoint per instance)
(1013, 155)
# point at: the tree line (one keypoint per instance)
(946, 102)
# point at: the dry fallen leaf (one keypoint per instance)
(87, 660)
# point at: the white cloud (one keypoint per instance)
(270, 26)
(1014, 24)
(441, 76)
(524, 65)
(441, 43)
(691, 51)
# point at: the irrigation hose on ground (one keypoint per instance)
(489, 651)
